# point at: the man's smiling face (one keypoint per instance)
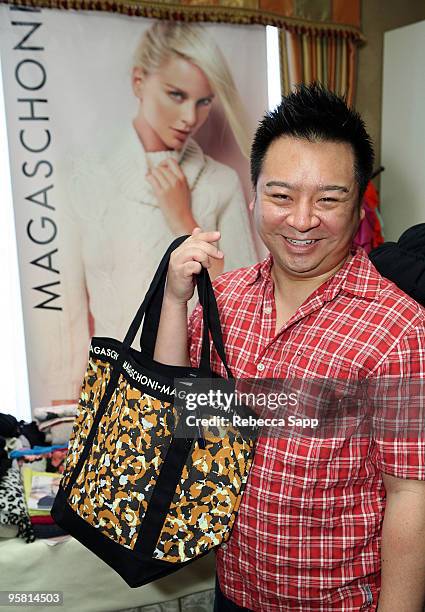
(306, 208)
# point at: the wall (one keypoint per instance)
(377, 18)
(403, 130)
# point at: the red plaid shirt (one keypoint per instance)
(307, 536)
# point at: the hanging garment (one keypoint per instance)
(369, 234)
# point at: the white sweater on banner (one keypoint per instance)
(113, 235)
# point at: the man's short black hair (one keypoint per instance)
(314, 113)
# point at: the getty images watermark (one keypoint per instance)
(322, 408)
(217, 406)
(226, 405)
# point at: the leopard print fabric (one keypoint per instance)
(95, 381)
(13, 508)
(114, 487)
(207, 499)
(115, 484)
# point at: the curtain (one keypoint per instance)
(326, 56)
(336, 15)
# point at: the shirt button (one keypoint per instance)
(260, 367)
(223, 546)
(268, 309)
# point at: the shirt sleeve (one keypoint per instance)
(194, 335)
(398, 415)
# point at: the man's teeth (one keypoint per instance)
(300, 241)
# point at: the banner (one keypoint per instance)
(123, 132)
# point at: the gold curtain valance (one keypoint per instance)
(248, 12)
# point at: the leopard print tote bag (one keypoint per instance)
(139, 490)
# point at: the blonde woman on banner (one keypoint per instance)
(153, 184)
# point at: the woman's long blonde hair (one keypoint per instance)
(193, 43)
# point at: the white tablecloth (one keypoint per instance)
(88, 584)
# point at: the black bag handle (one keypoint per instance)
(150, 311)
(211, 322)
(156, 289)
(210, 315)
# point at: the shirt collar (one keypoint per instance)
(357, 276)
(259, 270)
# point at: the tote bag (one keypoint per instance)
(143, 498)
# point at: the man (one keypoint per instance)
(324, 524)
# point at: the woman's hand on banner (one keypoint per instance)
(170, 187)
(189, 258)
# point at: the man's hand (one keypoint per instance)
(172, 192)
(188, 259)
(195, 252)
